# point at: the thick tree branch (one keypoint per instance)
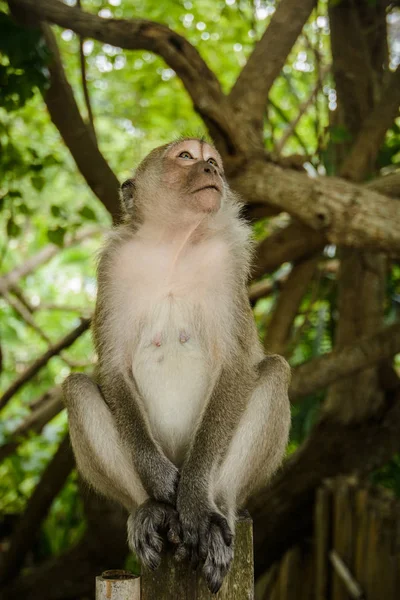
(265, 287)
(51, 483)
(389, 185)
(345, 213)
(250, 92)
(283, 315)
(320, 372)
(365, 150)
(290, 244)
(39, 363)
(78, 136)
(141, 34)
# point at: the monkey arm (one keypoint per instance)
(158, 474)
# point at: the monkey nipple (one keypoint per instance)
(183, 337)
(157, 340)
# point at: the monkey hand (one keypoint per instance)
(206, 536)
(146, 528)
(159, 476)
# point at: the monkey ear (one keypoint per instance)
(127, 195)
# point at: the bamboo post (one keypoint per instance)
(117, 585)
(178, 581)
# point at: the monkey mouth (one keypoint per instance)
(208, 187)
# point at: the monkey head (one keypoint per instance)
(184, 179)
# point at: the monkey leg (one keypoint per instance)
(258, 446)
(107, 465)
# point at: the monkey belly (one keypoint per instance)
(173, 375)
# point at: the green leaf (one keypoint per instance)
(38, 182)
(13, 229)
(87, 213)
(55, 210)
(56, 236)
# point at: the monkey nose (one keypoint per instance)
(209, 169)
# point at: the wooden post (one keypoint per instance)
(117, 585)
(177, 581)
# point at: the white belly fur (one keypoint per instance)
(173, 377)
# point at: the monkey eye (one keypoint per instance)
(186, 155)
(213, 162)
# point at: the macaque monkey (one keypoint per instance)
(187, 417)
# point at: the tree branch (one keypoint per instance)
(140, 34)
(51, 483)
(84, 80)
(289, 244)
(301, 111)
(249, 95)
(365, 150)
(77, 136)
(281, 322)
(345, 213)
(389, 185)
(320, 372)
(39, 363)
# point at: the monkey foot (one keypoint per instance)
(146, 528)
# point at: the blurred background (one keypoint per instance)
(291, 93)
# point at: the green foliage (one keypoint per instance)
(23, 63)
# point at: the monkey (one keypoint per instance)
(187, 418)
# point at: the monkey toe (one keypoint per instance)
(218, 559)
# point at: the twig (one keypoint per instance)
(84, 80)
(31, 371)
(350, 583)
(43, 256)
(49, 405)
(19, 308)
(285, 118)
(303, 108)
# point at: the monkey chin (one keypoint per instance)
(208, 200)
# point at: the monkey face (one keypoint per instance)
(184, 179)
(192, 172)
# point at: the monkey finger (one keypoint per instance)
(204, 535)
(222, 523)
(181, 553)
